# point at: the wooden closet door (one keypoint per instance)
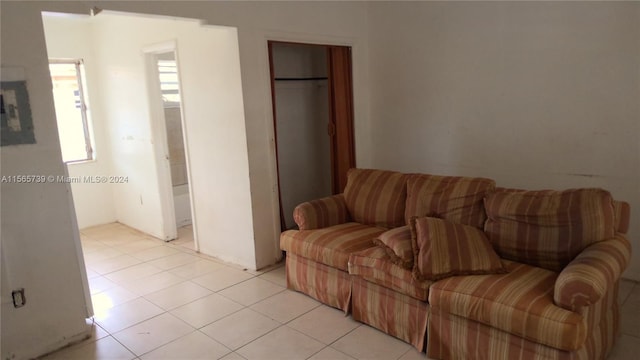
(341, 120)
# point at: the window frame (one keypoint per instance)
(173, 64)
(80, 78)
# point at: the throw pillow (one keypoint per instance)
(397, 244)
(443, 248)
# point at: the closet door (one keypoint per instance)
(341, 120)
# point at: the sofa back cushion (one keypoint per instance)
(452, 198)
(547, 228)
(376, 197)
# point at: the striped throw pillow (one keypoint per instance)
(444, 248)
(397, 244)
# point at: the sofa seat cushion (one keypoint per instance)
(330, 246)
(547, 228)
(397, 243)
(453, 198)
(519, 302)
(375, 265)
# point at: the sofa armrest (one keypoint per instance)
(321, 213)
(592, 273)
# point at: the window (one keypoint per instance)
(168, 72)
(71, 110)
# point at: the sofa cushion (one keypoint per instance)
(547, 228)
(397, 243)
(444, 249)
(375, 265)
(330, 246)
(519, 302)
(376, 197)
(457, 199)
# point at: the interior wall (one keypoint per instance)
(40, 239)
(302, 116)
(532, 94)
(70, 37)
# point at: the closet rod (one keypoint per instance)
(301, 79)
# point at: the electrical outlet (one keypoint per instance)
(18, 298)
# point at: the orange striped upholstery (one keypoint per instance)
(547, 228)
(376, 197)
(603, 322)
(330, 246)
(321, 213)
(397, 315)
(622, 215)
(592, 273)
(454, 337)
(444, 249)
(375, 266)
(456, 199)
(324, 283)
(519, 303)
(397, 243)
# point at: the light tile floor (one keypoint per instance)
(157, 300)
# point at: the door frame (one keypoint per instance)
(349, 128)
(160, 142)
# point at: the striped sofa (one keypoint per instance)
(463, 269)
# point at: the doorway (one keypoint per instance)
(173, 153)
(312, 100)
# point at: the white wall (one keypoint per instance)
(214, 114)
(40, 240)
(302, 116)
(535, 95)
(70, 37)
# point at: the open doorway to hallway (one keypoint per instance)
(164, 88)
